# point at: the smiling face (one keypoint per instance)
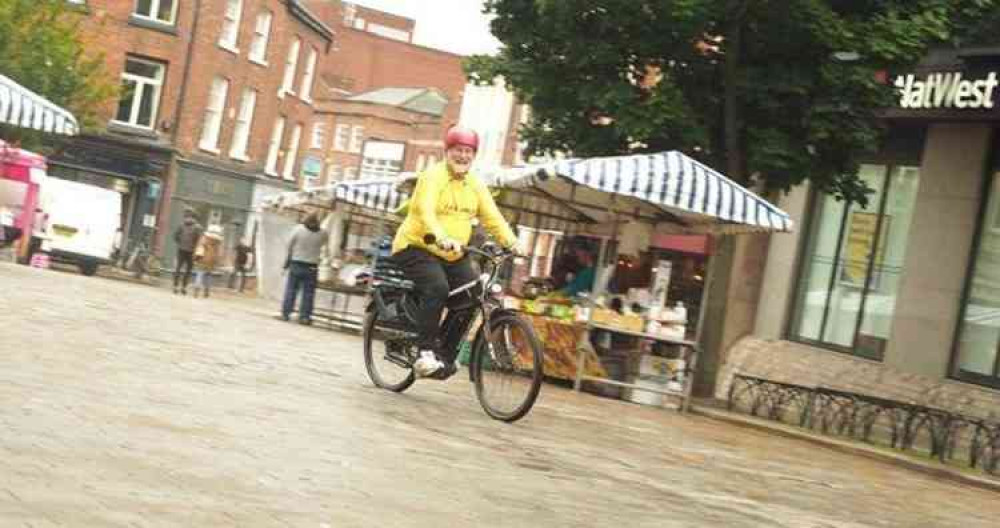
(460, 158)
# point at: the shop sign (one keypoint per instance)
(946, 90)
(312, 167)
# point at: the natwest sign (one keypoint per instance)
(947, 90)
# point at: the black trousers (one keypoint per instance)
(433, 278)
(185, 261)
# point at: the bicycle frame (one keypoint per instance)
(486, 301)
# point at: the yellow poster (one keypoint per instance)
(858, 249)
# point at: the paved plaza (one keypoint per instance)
(124, 405)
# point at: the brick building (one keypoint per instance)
(381, 132)
(216, 98)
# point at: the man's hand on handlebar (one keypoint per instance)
(447, 244)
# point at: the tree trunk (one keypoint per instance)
(728, 315)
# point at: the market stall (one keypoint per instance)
(626, 199)
(21, 176)
(21, 171)
(356, 213)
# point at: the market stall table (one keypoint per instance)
(560, 339)
(585, 349)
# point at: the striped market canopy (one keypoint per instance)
(23, 108)
(378, 193)
(676, 192)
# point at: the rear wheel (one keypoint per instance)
(387, 359)
(508, 369)
(88, 267)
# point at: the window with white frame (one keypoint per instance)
(382, 159)
(231, 25)
(244, 120)
(291, 62)
(333, 173)
(305, 91)
(163, 11)
(261, 35)
(357, 136)
(318, 135)
(213, 115)
(340, 137)
(349, 173)
(274, 147)
(292, 153)
(142, 82)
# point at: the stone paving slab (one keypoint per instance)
(124, 405)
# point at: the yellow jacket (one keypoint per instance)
(445, 206)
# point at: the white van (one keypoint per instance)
(82, 222)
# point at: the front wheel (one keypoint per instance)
(507, 367)
(386, 358)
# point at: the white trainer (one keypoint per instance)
(427, 364)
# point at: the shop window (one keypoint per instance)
(274, 148)
(305, 90)
(213, 115)
(163, 11)
(291, 62)
(142, 82)
(231, 25)
(978, 360)
(244, 120)
(292, 153)
(852, 265)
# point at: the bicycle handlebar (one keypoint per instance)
(431, 240)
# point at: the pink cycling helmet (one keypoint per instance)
(457, 135)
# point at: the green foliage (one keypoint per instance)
(581, 64)
(40, 48)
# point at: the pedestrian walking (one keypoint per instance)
(241, 264)
(302, 265)
(206, 258)
(187, 236)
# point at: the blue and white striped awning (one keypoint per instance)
(378, 194)
(686, 195)
(23, 108)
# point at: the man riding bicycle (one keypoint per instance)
(447, 197)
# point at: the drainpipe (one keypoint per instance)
(166, 194)
(187, 73)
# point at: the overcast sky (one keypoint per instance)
(457, 26)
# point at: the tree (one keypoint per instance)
(41, 49)
(776, 91)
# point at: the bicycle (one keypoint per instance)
(141, 261)
(507, 356)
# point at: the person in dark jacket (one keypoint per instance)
(187, 236)
(241, 265)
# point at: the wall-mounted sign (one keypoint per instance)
(947, 90)
(312, 167)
